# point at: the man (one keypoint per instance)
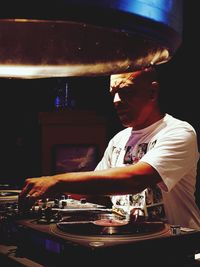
(155, 150)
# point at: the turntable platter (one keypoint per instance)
(90, 224)
(91, 229)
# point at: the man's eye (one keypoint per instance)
(125, 92)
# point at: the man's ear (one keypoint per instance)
(154, 90)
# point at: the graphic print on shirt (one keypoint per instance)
(132, 156)
(149, 200)
(115, 155)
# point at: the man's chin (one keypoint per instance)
(124, 121)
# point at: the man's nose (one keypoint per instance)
(116, 98)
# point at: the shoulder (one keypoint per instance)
(176, 132)
(177, 125)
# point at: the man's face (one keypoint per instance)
(131, 98)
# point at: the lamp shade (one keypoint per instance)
(87, 37)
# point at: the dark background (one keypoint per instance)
(22, 100)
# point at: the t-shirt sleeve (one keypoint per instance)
(174, 154)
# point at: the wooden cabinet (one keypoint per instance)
(70, 128)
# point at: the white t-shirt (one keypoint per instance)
(170, 146)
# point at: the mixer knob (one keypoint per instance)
(56, 203)
(83, 200)
(63, 204)
(44, 203)
(45, 215)
(58, 216)
(15, 206)
(48, 214)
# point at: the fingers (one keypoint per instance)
(26, 188)
(26, 199)
(34, 189)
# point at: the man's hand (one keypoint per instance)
(34, 189)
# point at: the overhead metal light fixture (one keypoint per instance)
(86, 37)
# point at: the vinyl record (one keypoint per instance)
(107, 224)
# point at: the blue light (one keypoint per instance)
(52, 246)
(168, 12)
(163, 11)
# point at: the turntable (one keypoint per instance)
(94, 233)
(8, 195)
(97, 235)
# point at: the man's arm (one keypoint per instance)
(114, 181)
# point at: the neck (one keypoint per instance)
(149, 121)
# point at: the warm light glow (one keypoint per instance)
(104, 68)
(44, 71)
